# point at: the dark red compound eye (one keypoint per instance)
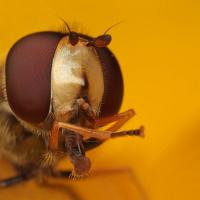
(113, 83)
(28, 75)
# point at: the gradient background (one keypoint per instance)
(158, 49)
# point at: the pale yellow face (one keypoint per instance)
(72, 68)
(158, 50)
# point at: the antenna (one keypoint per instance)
(66, 24)
(73, 36)
(113, 26)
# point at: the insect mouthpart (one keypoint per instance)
(76, 152)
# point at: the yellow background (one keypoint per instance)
(158, 49)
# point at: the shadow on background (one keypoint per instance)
(179, 165)
(118, 184)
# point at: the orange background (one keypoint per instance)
(158, 49)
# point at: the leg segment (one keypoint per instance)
(120, 118)
(15, 180)
(86, 133)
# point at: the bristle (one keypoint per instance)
(74, 176)
(50, 158)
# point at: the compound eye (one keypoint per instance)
(102, 40)
(28, 75)
(113, 83)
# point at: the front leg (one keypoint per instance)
(87, 133)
